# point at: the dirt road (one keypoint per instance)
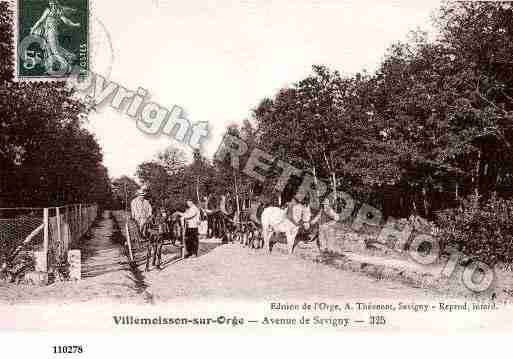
(106, 272)
(233, 272)
(220, 272)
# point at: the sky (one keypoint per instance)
(217, 59)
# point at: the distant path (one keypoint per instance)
(102, 252)
(105, 253)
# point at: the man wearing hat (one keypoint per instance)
(326, 218)
(192, 219)
(140, 208)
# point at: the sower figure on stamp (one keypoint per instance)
(192, 219)
(48, 28)
(141, 209)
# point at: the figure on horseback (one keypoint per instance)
(141, 212)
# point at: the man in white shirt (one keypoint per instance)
(141, 209)
(192, 220)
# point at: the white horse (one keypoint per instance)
(275, 220)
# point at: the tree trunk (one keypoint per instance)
(425, 201)
(197, 190)
(497, 179)
(333, 175)
(236, 192)
(334, 185)
(476, 177)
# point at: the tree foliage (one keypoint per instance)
(46, 156)
(430, 126)
(124, 189)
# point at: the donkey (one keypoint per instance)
(275, 220)
(158, 231)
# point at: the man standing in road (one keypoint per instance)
(192, 219)
(327, 219)
(206, 215)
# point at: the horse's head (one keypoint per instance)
(176, 229)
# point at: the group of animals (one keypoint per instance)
(267, 226)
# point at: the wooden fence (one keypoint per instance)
(46, 232)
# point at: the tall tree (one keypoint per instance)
(47, 157)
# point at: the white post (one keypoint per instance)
(75, 266)
(72, 221)
(76, 220)
(129, 242)
(334, 180)
(58, 215)
(45, 239)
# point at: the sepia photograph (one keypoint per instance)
(300, 167)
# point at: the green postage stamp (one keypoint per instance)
(52, 38)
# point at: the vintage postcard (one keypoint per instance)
(315, 167)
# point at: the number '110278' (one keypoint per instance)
(67, 349)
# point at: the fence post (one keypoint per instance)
(58, 217)
(79, 220)
(46, 233)
(77, 216)
(128, 240)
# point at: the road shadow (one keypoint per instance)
(329, 258)
(125, 264)
(171, 254)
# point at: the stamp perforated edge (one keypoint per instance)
(13, 6)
